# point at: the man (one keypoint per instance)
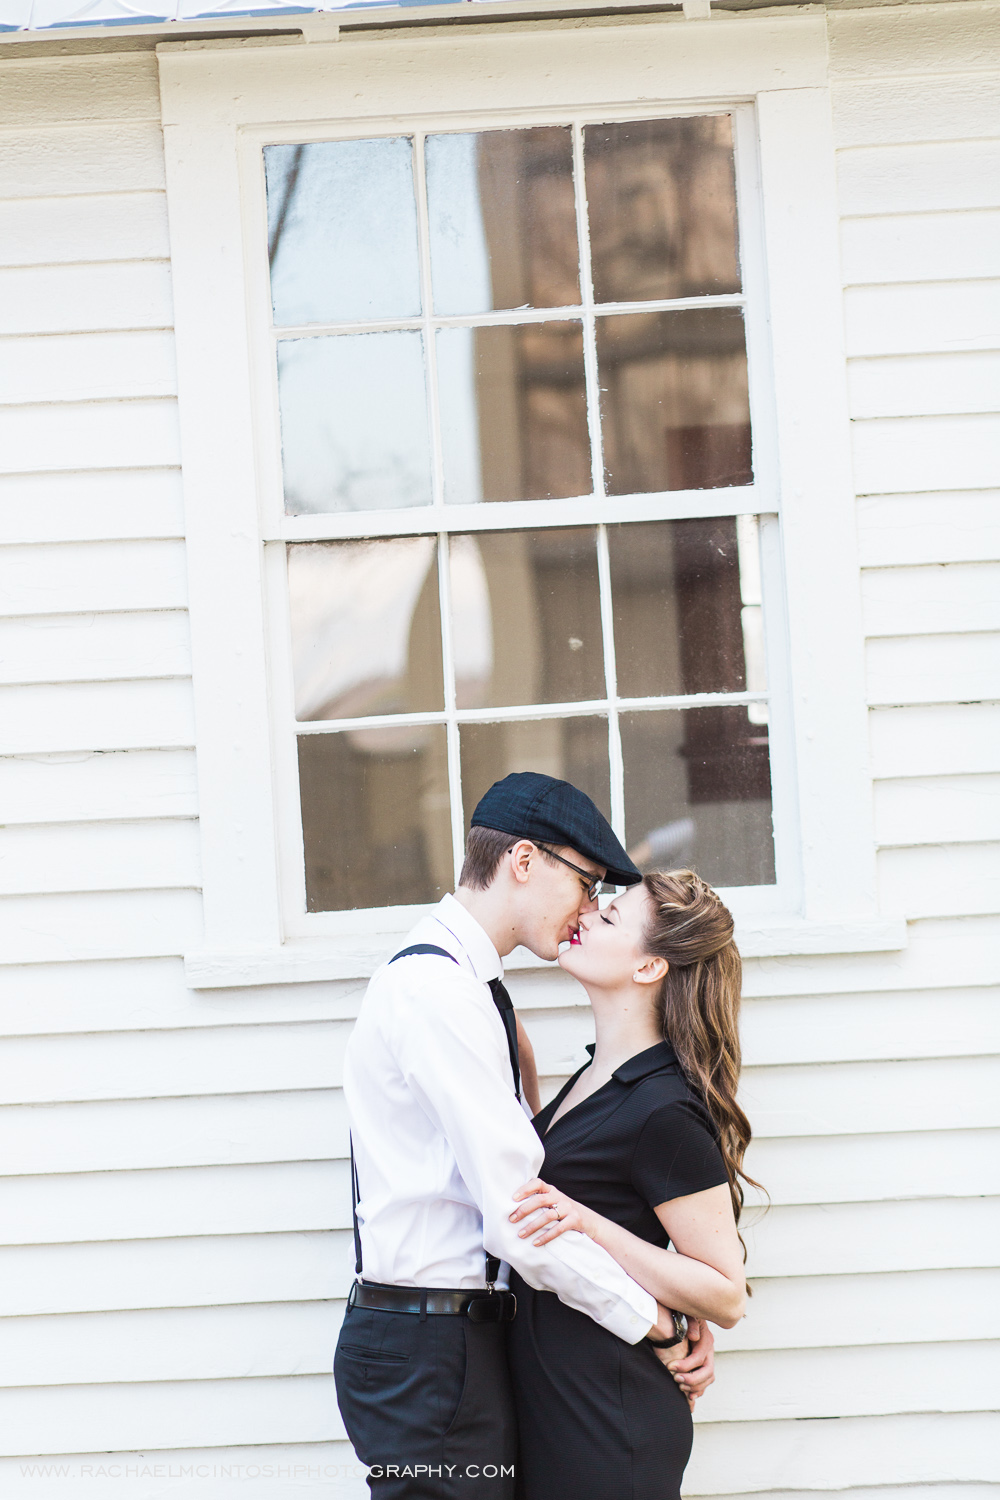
(441, 1143)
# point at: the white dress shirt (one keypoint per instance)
(441, 1142)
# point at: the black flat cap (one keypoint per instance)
(532, 806)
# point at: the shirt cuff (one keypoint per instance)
(629, 1324)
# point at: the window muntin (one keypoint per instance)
(626, 657)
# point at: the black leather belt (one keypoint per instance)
(479, 1306)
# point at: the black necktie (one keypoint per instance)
(503, 1003)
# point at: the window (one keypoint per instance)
(482, 335)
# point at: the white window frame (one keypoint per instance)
(221, 104)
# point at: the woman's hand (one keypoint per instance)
(692, 1363)
(548, 1213)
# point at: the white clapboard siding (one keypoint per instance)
(950, 739)
(109, 505)
(89, 435)
(100, 227)
(931, 40)
(920, 247)
(939, 809)
(84, 158)
(117, 86)
(949, 317)
(91, 786)
(309, 1125)
(933, 528)
(869, 1168)
(920, 178)
(80, 927)
(933, 668)
(86, 367)
(925, 385)
(96, 716)
(101, 576)
(884, 113)
(949, 597)
(864, 1027)
(113, 856)
(81, 299)
(941, 880)
(95, 648)
(902, 454)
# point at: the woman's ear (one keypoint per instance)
(652, 971)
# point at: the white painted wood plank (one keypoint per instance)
(163, 1064)
(928, 318)
(938, 741)
(941, 880)
(929, 1447)
(912, 41)
(858, 1382)
(892, 111)
(158, 854)
(920, 247)
(122, 924)
(851, 1238)
(151, 715)
(96, 227)
(255, 1198)
(924, 385)
(112, 86)
(113, 505)
(87, 367)
(870, 1168)
(947, 527)
(67, 578)
(934, 669)
(200, 1271)
(939, 599)
(919, 179)
(212, 1473)
(89, 435)
(210, 1131)
(894, 455)
(93, 785)
(110, 1419)
(99, 158)
(939, 809)
(95, 648)
(867, 1097)
(80, 299)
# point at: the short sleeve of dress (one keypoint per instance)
(676, 1154)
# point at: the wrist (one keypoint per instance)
(666, 1340)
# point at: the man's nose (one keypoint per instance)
(588, 904)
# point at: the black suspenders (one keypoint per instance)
(501, 1000)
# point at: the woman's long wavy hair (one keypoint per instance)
(699, 1004)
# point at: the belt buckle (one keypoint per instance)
(487, 1309)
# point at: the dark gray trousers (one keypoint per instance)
(427, 1404)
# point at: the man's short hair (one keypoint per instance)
(484, 849)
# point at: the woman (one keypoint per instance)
(643, 1148)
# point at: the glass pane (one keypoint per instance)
(342, 231)
(526, 615)
(502, 220)
(698, 794)
(661, 198)
(375, 819)
(354, 432)
(675, 405)
(366, 627)
(686, 604)
(574, 750)
(513, 413)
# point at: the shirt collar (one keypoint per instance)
(653, 1060)
(466, 930)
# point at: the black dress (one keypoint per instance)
(599, 1419)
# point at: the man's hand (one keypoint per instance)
(694, 1371)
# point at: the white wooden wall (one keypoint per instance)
(174, 1218)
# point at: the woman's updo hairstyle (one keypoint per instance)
(699, 1003)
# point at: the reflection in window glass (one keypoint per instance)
(342, 231)
(513, 412)
(502, 220)
(366, 627)
(375, 817)
(661, 196)
(686, 604)
(354, 432)
(675, 405)
(698, 793)
(544, 624)
(573, 750)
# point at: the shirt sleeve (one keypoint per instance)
(453, 1054)
(676, 1154)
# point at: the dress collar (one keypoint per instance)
(653, 1060)
(472, 938)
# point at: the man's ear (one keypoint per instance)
(520, 860)
(651, 972)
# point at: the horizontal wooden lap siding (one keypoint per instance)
(106, 505)
(95, 647)
(925, 385)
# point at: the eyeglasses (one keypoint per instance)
(594, 887)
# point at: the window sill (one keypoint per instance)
(308, 960)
